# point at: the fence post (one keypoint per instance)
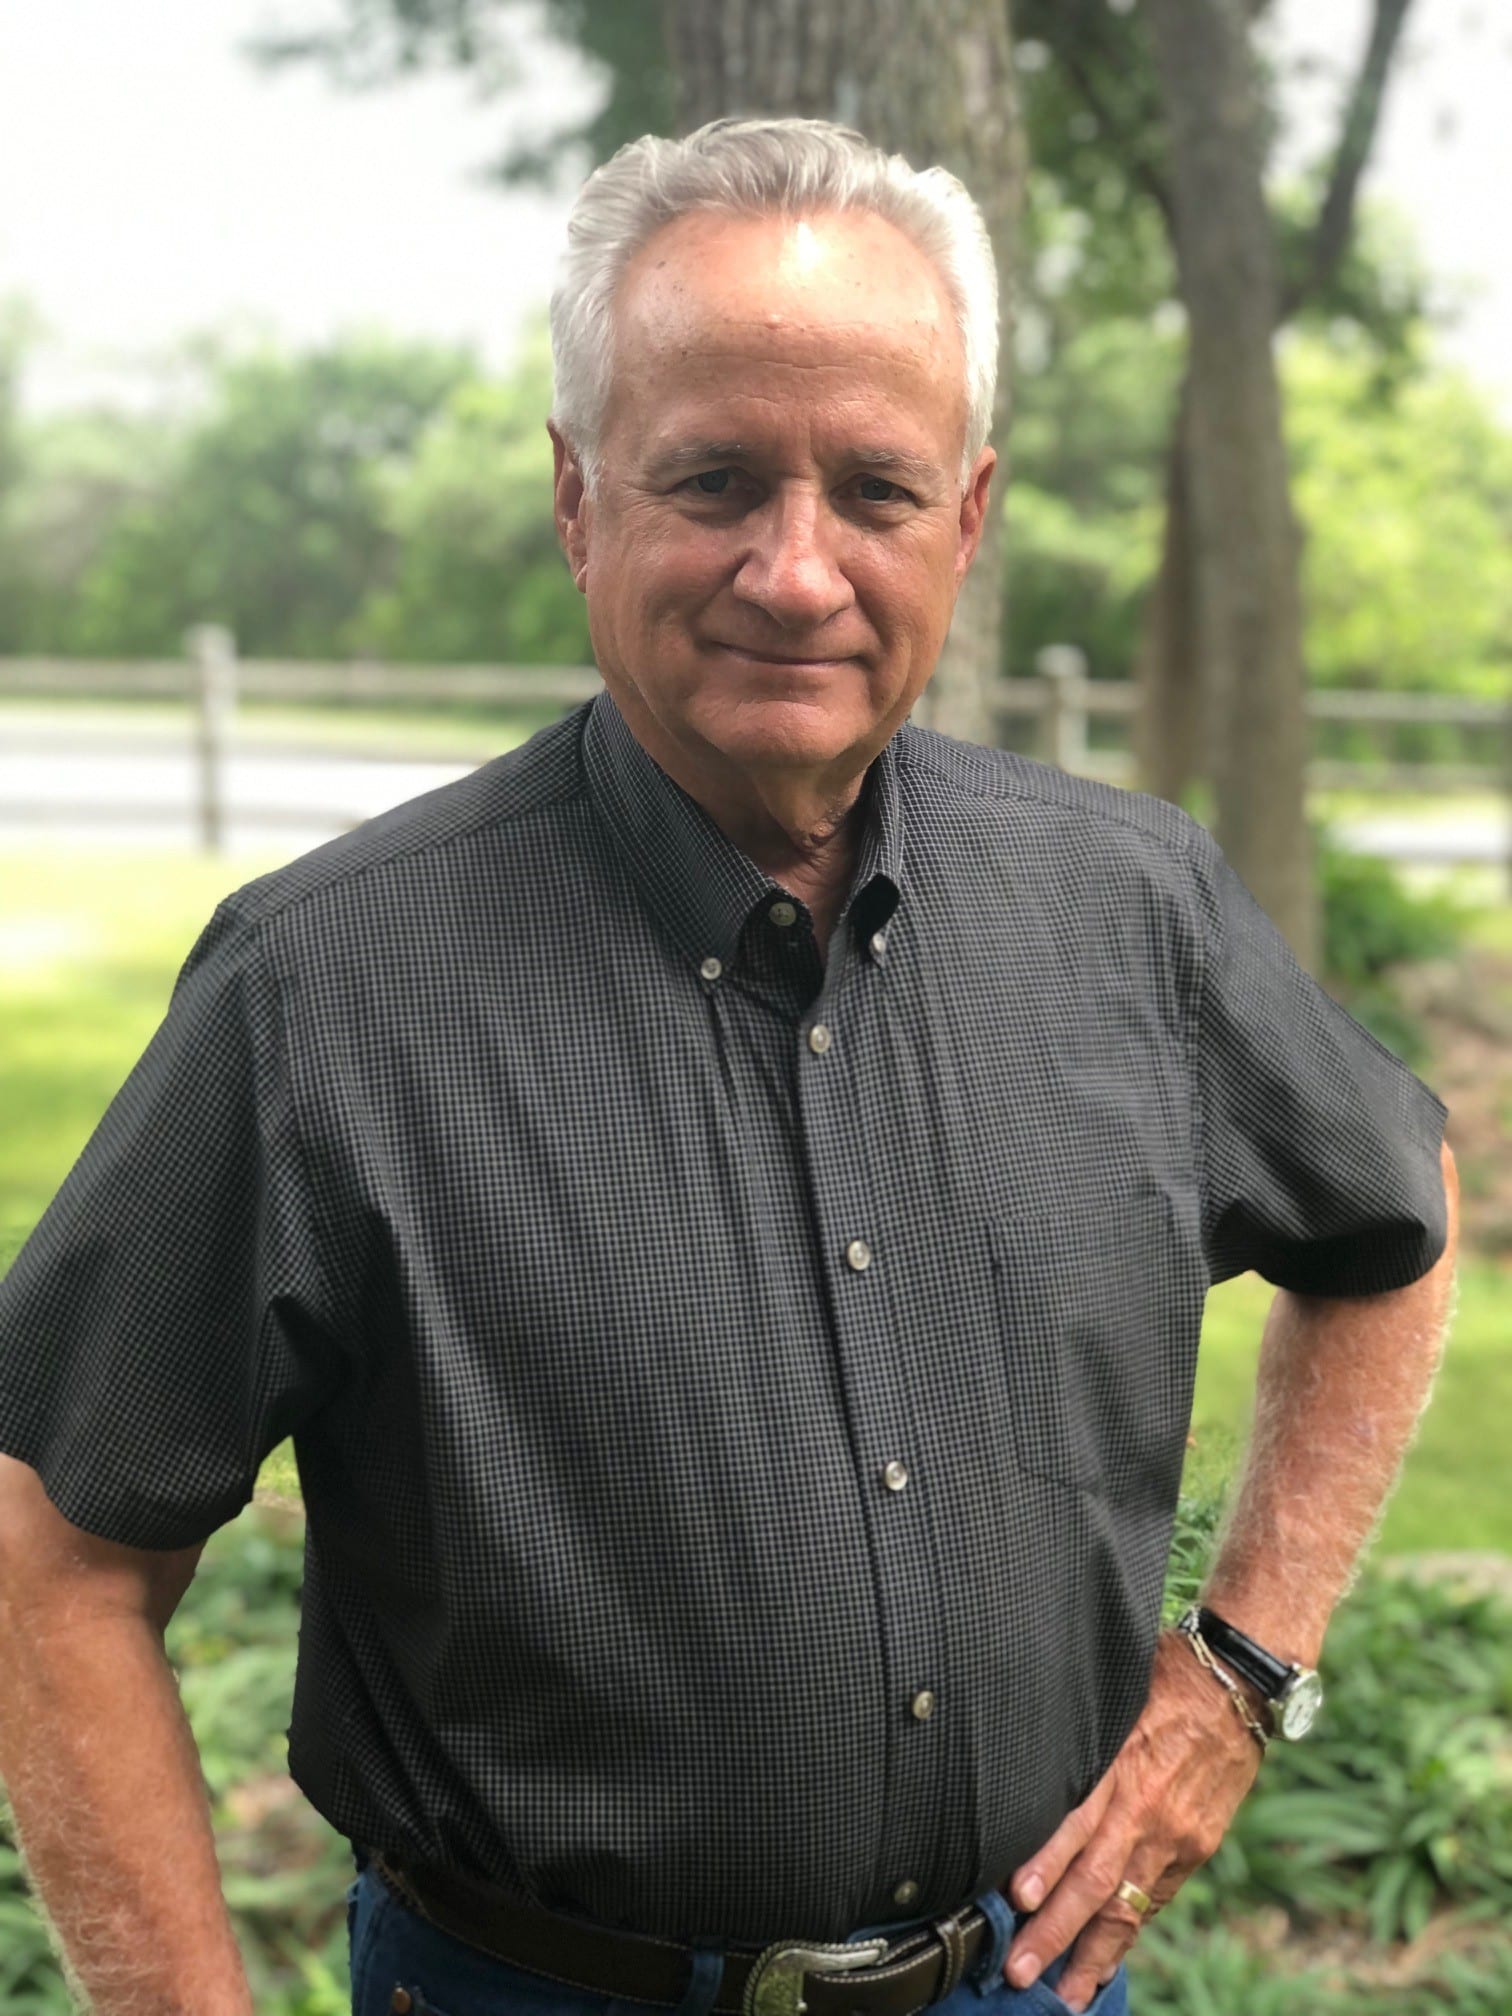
(1063, 667)
(212, 660)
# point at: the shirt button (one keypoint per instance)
(906, 1892)
(819, 1039)
(878, 942)
(711, 969)
(783, 913)
(923, 1705)
(895, 1476)
(858, 1253)
(401, 2002)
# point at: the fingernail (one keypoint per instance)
(1023, 1970)
(1031, 1890)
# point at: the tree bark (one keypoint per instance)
(1168, 743)
(936, 85)
(1169, 733)
(1244, 542)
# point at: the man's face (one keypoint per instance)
(773, 557)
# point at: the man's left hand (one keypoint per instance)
(1156, 1814)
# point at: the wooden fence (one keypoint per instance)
(1062, 698)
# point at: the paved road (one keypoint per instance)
(93, 795)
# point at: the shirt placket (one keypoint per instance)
(830, 1041)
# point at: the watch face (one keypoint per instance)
(1299, 1705)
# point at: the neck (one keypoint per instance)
(803, 830)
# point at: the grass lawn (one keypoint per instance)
(89, 946)
(1453, 1492)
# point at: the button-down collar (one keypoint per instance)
(698, 882)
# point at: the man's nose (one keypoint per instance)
(791, 570)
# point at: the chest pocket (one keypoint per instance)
(1099, 1304)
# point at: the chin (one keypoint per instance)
(771, 728)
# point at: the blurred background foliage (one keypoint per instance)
(389, 498)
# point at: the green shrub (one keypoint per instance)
(1182, 1969)
(1372, 923)
(1401, 1799)
(1397, 1808)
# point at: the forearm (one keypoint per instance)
(1342, 1384)
(111, 1814)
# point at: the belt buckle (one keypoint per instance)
(774, 1986)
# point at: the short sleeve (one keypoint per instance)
(1319, 1149)
(168, 1323)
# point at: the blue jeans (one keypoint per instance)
(393, 1947)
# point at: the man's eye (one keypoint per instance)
(881, 483)
(712, 482)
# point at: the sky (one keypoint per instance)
(1443, 153)
(154, 182)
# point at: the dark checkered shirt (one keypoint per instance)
(739, 1399)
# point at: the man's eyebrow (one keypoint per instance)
(700, 454)
(710, 454)
(917, 468)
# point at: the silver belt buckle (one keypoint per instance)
(774, 1986)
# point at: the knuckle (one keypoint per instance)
(1103, 1869)
(1198, 1843)
(1189, 1847)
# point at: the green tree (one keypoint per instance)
(1083, 532)
(1406, 502)
(1400, 482)
(18, 332)
(81, 474)
(478, 573)
(272, 517)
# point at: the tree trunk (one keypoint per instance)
(1244, 537)
(1169, 735)
(935, 84)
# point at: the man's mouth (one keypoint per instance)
(775, 658)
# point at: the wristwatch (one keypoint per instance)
(1295, 1693)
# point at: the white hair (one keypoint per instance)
(757, 167)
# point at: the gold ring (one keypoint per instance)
(1143, 1903)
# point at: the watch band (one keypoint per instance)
(1250, 1661)
(1187, 1628)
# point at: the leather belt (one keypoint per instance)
(874, 1976)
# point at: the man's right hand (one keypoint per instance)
(1157, 1813)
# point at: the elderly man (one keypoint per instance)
(722, 1198)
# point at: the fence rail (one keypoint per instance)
(1062, 698)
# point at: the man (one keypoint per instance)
(722, 1198)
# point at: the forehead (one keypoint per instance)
(826, 311)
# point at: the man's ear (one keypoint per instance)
(569, 500)
(974, 510)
